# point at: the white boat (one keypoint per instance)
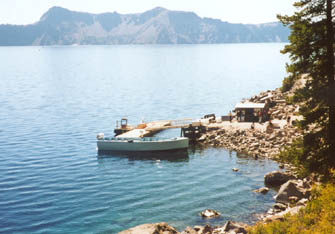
(141, 144)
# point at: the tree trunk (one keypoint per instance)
(331, 82)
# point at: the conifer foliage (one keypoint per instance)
(311, 51)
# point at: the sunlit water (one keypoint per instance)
(54, 100)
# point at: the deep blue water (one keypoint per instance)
(54, 100)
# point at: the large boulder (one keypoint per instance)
(280, 215)
(289, 189)
(277, 178)
(152, 228)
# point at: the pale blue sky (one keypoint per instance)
(234, 11)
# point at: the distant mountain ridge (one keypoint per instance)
(59, 26)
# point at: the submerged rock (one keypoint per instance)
(263, 190)
(210, 213)
(152, 228)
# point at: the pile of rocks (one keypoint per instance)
(279, 108)
(250, 141)
(292, 196)
(151, 228)
(264, 142)
(230, 227)
(163, 228)
(260, 141)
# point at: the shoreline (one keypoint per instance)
(264, 140)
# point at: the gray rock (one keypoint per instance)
(209, 213)
(271, 218)
(235, 226)
(280, 215)
(287, 190)
(277, 178)
(279, 206)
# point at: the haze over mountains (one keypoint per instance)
(59, 26)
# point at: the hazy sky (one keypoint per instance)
(234, 11)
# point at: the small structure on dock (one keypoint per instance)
(124, 127)
(251, 112)
(193, 130)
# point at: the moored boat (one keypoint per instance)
(141, 144)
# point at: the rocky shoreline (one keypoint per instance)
(258, 140)
(292, 196)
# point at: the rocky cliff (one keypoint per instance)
(59, 26)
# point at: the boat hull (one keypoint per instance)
(142, 145)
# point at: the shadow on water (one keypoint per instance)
(171, 156)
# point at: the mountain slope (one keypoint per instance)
(59, 26)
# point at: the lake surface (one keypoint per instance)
(54, 100)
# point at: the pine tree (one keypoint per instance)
(312, 55)
(331, 82)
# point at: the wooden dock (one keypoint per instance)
(149, 129)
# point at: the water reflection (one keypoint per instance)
(171, 156)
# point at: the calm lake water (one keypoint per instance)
(54, 100)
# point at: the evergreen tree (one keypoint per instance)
(312, 56)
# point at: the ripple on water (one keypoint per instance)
(54, 100)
